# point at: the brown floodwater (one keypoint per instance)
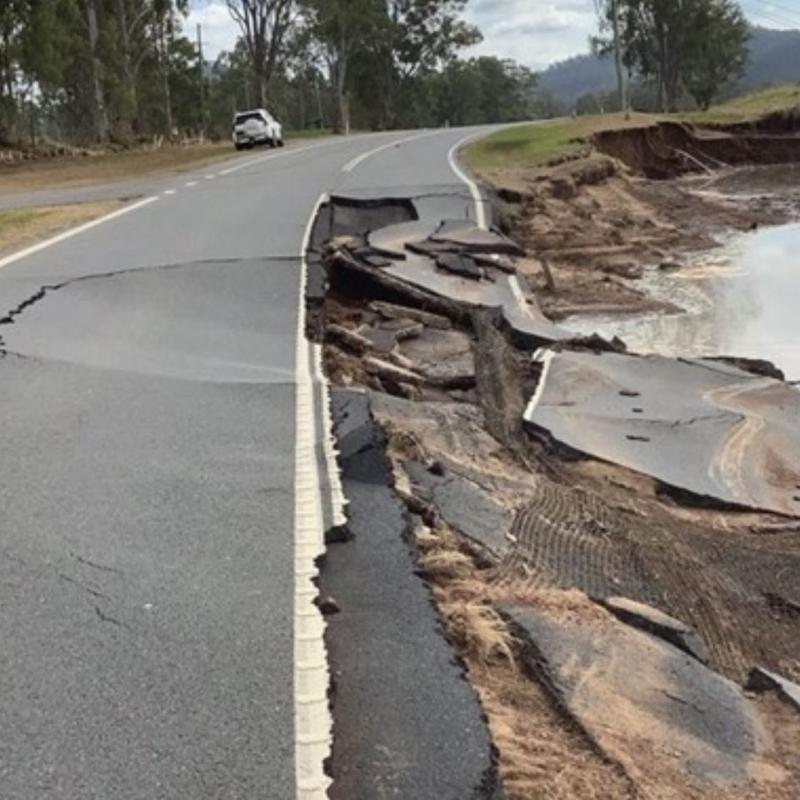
(741, 299)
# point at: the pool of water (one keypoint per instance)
(742, 299)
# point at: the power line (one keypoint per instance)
(779, 7)
(775, 13)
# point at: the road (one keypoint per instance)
(148, 416)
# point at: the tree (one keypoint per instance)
(664, 40)
(264, 25)
(611, 11)
(341, 27)
(718, 50)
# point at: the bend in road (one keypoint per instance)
(147, 412)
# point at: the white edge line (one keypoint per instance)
(339, 501)
(351, 165)
(474, 189)
(313, 724)
(68, 234)
(544, 356)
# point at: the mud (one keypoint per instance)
(641, 200)
(513, 524)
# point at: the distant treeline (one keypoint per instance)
(587, 83)
(97, 71)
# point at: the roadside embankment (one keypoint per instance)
(599, 202)
(608, 596)
(20, 228)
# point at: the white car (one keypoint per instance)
(254, 127)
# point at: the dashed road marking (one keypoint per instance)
(209, 177)
(169, 191)
(189, 184)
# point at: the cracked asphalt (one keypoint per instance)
(147, 410)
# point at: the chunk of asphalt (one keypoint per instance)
(460, 265)
(465, 506)
(762, 680)
(406, 723)
(381, 340)
(468, 235)
(392, 311)
(642, 700)
(693, 408)
(652, 620)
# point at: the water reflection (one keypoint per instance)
(742, 300)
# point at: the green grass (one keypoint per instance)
(535, 145)
(751, 106)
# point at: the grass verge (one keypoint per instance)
(535, 145)
(20, 228)
(65, 173)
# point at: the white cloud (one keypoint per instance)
(219, 30)
(533, 32)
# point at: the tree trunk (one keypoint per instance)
(165, 72)
(342, 120)
(130, 111)
(100, 123)
(622, 88)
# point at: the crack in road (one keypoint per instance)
(48, 288)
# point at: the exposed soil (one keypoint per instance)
(504, 520)
(644, 198)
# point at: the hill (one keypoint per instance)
(774, 59)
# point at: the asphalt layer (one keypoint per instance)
(147, 410)
(407, 723)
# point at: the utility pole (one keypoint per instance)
(622, 87)
(201, 76)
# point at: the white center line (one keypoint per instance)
(210, 177)
(169, 191)
(351, 165)
(189, 184)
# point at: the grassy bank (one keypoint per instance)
(70, 172)
(61, 173)
(22, 227)
(540, 143)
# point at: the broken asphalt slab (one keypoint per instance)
(464, 506)
(761, 680)
(706, 429)
(647, 705)
(407, 723)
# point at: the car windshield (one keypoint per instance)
(240, 118)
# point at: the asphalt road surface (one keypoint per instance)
(147, 422)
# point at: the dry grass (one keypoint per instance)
(64, 173)
(22, 227)
(541, 753)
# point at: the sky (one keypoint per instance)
(534, 32)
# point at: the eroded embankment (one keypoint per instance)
(608, 612)
(644, 198)
(669, 149)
